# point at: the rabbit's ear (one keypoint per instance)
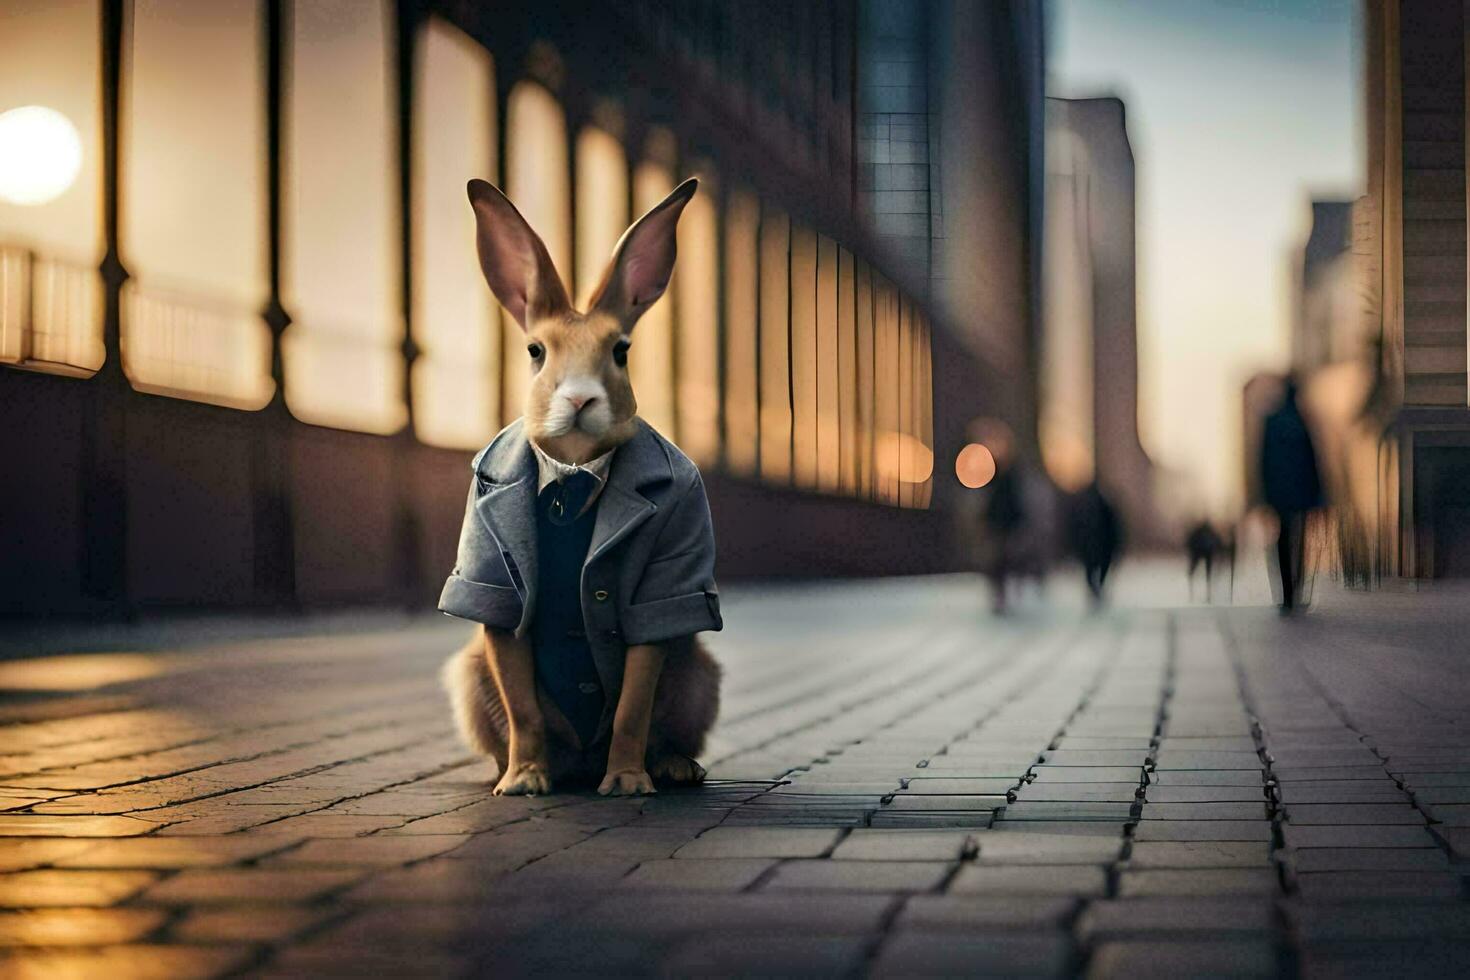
(514, 259)
(643, 260)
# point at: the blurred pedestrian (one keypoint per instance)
(1202, 545)
(1095, 535)
(1292, 488)
(1004, 519)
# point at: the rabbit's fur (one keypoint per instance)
(579, 406)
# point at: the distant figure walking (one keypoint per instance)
(1292, 488)
(1004, 519)
(1096, 536)
(1202, 545)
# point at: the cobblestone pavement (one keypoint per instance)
(900, 785)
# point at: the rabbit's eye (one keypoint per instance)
(620, 353)
(536, 351)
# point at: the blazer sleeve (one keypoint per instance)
(480, 587)
(676, 595)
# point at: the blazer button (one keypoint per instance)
(600, 595)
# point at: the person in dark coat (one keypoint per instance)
(1003, 519)
(1291, 486)
(1202, 546)
(1096, 536)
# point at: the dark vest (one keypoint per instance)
(564, 664)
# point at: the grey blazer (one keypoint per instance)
(650, 571)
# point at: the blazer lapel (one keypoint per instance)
(623, 507)
(508, 509)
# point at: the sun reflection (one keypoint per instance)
(40, 155)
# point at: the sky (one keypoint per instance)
(1239, 112)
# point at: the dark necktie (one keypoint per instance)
(565, 499)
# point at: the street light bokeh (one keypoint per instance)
(40, 155)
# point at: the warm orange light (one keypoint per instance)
(903, 459)
(974, 466)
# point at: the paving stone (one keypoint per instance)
(653, 916)
(1367, 859)
(1308, 814)
(1356, 836)
(78, 926)
(1090, 757)
(1289, 774)
(745, 955)
(24, 853)
(859, 876)
(1184, 958)
(1078, 792)
(25, 825)
(1200, 854)
(904, 845)
(1346, 791)
(1458, 838)
(1377, 885)
(1066, 811)
(248, 924)
(1175, 915)
(173, 852)
(748, 842)
(1209, 777)
(1199, 881)
(944, 802)
(141, 961)
(1449, 814)
(1417, 958)
(1213, 761)
(1110, 829)
(708, 874)
(1160, 793)
(324, 960)
(924, 784)
(1442, 794)
(1053, 879)
(918, 954)
(216, 885)
(1040, 848)
(1371, 921)
(1205, 811)
(83, 889)
(1088, 774)
(1203, 830)
(368, 851)
(981, 912)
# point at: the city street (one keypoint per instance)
(899, 785)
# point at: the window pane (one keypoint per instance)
(538, 183)
(697, 296)
(742, 228)
(651, 361)
(50, 290)
(195, 126)
(602, 206)
(456, 320)
(905, 382)
(804, 354)
(828, 401)
(885, 391)
(340, 277)
(924, 414)
(775, 340)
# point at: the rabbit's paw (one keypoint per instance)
(680, 770)
(627, 782)
(524, 779)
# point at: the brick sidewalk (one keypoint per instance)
(900, 785)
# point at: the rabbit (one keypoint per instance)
(646, 691)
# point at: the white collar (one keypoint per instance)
(550, 470)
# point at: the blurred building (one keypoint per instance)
(246, 356)
(1414, 283)
(1088, 401)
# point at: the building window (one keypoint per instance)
(847, 376)
(340, 274)
(456, 320)
(742, 326)
(538, 181)
(651, 361)
(697, 316)
(827, 399)
(775, 345)
(804, 356)
(51, 245)
(192, 223)
(602, 206)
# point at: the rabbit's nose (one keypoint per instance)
(581, 401)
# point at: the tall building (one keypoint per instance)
(1415, 277)
(246, 356)
(1089, 341)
